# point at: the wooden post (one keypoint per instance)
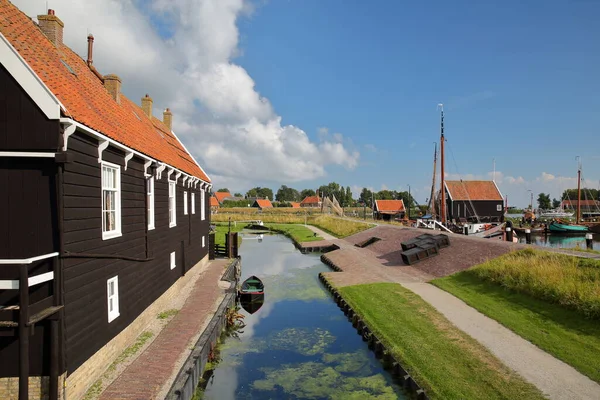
(23, 333)
(509, 234)
(54, 333)
(578, 194)
(589, 241)
(528, 236)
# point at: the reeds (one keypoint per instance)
(572, 282)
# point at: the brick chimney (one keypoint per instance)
(90, 60)
(112, 83)
(168, 119)
(147, 105)
(52, 27)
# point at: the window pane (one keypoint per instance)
(110, 304)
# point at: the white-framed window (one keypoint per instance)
(112, 294)
(203, 241)
(498, 207)
(193, 201)
(172, 205)
(111, 200)
(202, 206)
(173, 260)
(150, 200)
(185, 204)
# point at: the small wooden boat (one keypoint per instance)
(556, 227)
(252, 289)
(536, 230)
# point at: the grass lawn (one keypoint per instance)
(338, 227)
(299, 233)
(563, 333)
(582, 249)
(223, 228)
(445, 361)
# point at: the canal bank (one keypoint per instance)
(381, 263)
(151, 372)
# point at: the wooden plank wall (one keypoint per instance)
(140, 283)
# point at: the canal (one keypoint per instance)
(561, 241)
(298, 344)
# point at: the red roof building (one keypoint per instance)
(221, 196)
(473, 190)
(387, 209)
(587, 205)
(476, 201)
(214, 202)
(294, 204)
(311, 201)
(262, 203)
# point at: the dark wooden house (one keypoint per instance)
(104, 211)
(474, 201)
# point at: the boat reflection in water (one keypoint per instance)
(252, 294)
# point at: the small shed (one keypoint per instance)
(311, 201)
(262, 204)
(474, 201)
(389, 209)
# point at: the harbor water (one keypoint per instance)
(298, 345)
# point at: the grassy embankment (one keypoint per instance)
(334, 226)
(299, 233)
(445, 361)
(550, 299)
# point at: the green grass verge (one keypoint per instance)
(582, 249)
(222, 229)
(558, 331)
(299, 233)
(445, 361)
(338, 227)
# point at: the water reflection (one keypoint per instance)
(252, 305)
(298, 345)
(563, 241)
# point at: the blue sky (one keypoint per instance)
(519, 82)
(305, 92)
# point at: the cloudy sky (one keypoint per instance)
(305, 92)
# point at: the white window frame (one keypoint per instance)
(172, 204)
(185, 203)
(202, 206)
(498, 207)
(193, 201)
(117, 231)
(203, 241)
(150, 206)
(114, 313)
(172, 260)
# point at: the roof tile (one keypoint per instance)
(473, 190)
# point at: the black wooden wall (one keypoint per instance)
(485, 209)
(140, 283)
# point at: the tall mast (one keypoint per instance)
(432, 198)
(578, 190)
(443, 190)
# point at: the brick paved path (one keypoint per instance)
(157, 366)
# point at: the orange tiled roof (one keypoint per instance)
(295, 204)
(266, 203)
(592, 203)
(388, 206)
(214, 202)
(222, 196)
(85, 98)
(473, 190)
(311, 200)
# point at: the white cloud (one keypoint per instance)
(217, 111)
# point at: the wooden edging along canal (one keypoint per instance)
(189, 375)
(380, 350)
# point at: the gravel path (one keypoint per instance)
(553, 377)
(321, 233)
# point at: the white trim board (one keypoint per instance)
(28, 260)
(28, 80)
(26, 154)
(33, 280)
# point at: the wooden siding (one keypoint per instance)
(22, 124)
(484, 209)
(140, 283)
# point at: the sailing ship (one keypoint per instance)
(556, 213)
(564, 227)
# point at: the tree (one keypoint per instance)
(366, 196)
(589, 194)
(287, 194)
(544, 201)
(238, 195)
(555, 203)
(385, 195)
(349, 199)
(223, 190)
(306, 193)
(409, 201)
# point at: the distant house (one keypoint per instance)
(222, 196)
(311, 202)
(262, 204)
(586, 205)
(294, 204)
(389, 209)
(474, 200)
(214, 203)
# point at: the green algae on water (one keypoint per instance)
(351, 363)
(306, 341)
(316, 380)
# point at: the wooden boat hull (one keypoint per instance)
(533, 230)
(252, 290)
(594, 228)
(563, 228)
